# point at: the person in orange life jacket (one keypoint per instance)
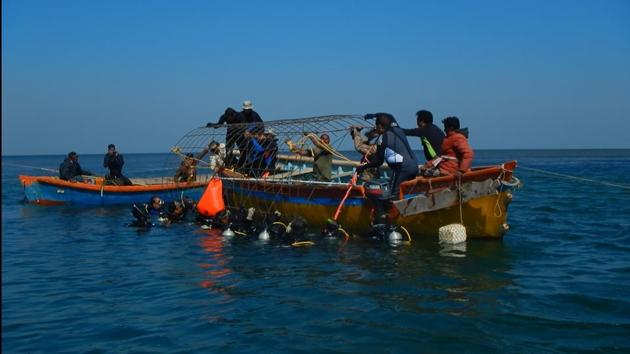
(70, 170)
(457, 155)
(395, 150)
(430, 135)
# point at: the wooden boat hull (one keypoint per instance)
(47, 190)
(484, 215)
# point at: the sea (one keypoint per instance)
(77, 279)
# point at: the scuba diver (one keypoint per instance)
(149, 214)
(157, 213)
(179, 211)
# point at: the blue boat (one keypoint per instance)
(49, 190)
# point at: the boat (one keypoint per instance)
(51, 190)
(479, 199)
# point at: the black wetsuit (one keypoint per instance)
(395, 150)
(71, 169)
(234, 134)
(429, 134)
(250, 116)
(115, 164)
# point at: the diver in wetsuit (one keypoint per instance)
(395, 150)
(149, 214)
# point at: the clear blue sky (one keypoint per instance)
(78, 75)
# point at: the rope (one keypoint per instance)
(459, 190)
(327, 147)
(516, 183)
(346, 236)
(618, 185)
(343, 200)
(177, 151)
(49, 170)
(34, 167)
(280, 223)
(302, 243)
(407, 232)
(497, 206)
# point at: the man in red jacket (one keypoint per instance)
(457, 155)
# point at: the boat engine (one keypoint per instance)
(377, 189)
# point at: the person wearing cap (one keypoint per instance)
(457, 155)
(431, 136)
(252, 120)
(114, 162)
(70, 169)
(249, 115)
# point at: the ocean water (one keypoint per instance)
(76, 279)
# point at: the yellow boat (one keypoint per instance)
(479, 199)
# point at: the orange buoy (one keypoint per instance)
(211, 202)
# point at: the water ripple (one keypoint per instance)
(77, 280)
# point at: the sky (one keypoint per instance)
(79, 75)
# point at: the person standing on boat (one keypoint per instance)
(252, 120)
(234, 133)
(70, 169)
(114, 162)
(395, 150)
(366, 147)
(321, 154)
(431, 136)
(248, 113)
(457, 155)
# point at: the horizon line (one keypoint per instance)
(494, 149)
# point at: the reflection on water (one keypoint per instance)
(217, 266)
(453, 250)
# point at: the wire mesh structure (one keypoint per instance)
(305, 168)
(275, 154)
